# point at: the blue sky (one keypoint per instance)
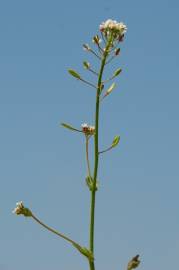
(43, 164)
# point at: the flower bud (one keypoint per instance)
(86, 47)
(96, 40)
(121, 38)
(134, 263)
(117, 51)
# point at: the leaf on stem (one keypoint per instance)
(70, 127)
(74, 74)
(86, 252)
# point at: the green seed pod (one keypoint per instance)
(74, 74)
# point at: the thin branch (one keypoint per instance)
(100, 50)
(84, 251)
(54, 231)
(92, 85)
(92, 71)
(109, 79)
(103, 38)
(114, 47)
(93, 52)
(106, 150)
(107, 62)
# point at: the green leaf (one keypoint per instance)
(70, 127)
(74, 74)
(117, 72)
(115, 141)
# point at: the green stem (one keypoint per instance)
(93, 192)
(90, 84)
(87, 156)
(108, 149)
(56, 232)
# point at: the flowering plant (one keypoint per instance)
(111, 35)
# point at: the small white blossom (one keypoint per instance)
(88, 130)
(84, 125)
(121, 27)
(19, 208)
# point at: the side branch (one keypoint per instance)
(84, 251)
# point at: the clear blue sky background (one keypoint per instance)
(43, 164)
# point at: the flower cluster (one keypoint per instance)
(88, 130)
(21, 210)
(117, 29)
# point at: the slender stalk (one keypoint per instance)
(87, 156)
(93, 192)
(106, 150)
(55, 232)
(95, 54)
(92, 71)
(90, 84)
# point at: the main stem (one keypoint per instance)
(96, 150)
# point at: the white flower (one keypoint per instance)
(19, 208)
(121, 27)
(88, 130)
(111, 26)
(84, 125)
(92, 129)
